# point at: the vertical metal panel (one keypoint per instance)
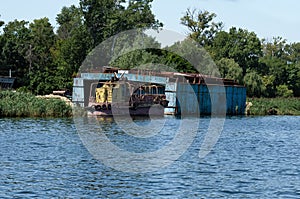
(244, 98)
(195, 88)
(218, 99)
(78, 92)
(78, 82)
(170, 92)
(187, 102)
(78, 95)
(213, 91)
(205, 101)
(229, 97)
(241, 100)
(235, 100)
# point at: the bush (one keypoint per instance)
(280, 106)
(21, 104)
(283, 91)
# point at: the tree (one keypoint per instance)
(15, 45)
(203, 28)
(1, 49)
(1, 22)
(140, 59)
(68, 19)
(293, 52)
(72, 46)
(284, 91)
(134, 49)
(138, 14)
(275, 48)
(42, 72)
(293, 79)
(230, 69)
(238, 44)
(268, 83)
(293, 67)
(254, 84)
(99, 16)
(189, 56)
(105, 18)
(275, 65)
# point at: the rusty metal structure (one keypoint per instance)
(186, 93)
(120, 96)
(7, 82)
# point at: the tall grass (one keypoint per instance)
(18, 104)
(283, 106)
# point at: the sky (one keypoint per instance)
(267, 18)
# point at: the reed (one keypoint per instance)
(278, 106)
(19, 104)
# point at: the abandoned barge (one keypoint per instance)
(119, 96)
(138, 92)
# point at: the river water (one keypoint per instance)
(255, 157)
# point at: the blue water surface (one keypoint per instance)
(255, 157)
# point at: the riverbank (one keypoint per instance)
(19, 104)
(273, 106)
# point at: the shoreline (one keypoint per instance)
(273, 106)
(18, 104)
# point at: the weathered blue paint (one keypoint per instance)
(96, 76)
(170, 92)
(184, 98)
(216, 99)
(78, 92)
(229, 102)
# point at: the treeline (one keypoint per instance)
(267, 68)
(45, 59)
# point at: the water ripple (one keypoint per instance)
(255, 157)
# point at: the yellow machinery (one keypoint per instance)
(104, 94)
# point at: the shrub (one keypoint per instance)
(21, 104)
(283, 91)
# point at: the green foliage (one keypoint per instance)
(254, 84)
(15, 44)
(203, 28)
(19, 104)
(184, 56)
(238, 44)
(134, 59)
(266, 65)
(268, 82)
(280, 62)
(1, 22)
(72, 45)
(132, 49)
(283, 106)
(43, 60)
(230, 69)
(105, 18)
(196, 57)
(172, 61)
(284, 91)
